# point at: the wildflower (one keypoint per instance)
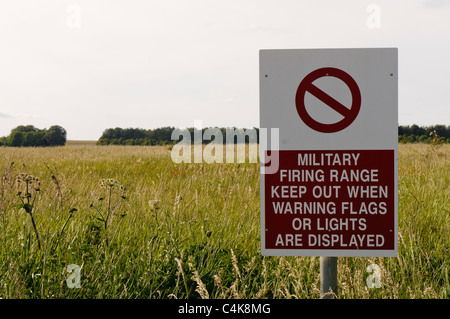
(30, 180)
(154, 203)
(111, 183)
(27, 201)
(24, 177)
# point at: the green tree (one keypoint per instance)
(55, 136)
(411, 138)
(16, 139)
(25, 129)
(34, 138)
(423, 139)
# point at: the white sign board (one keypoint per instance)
(334, 190)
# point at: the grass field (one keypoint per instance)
(166, 230)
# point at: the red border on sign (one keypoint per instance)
(306, 85)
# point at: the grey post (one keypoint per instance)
(328, 277)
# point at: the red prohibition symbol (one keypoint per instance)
(306, 85)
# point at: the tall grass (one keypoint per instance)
(192, 230)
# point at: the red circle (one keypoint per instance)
(349, 114)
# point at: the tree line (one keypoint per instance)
(163, 136)
(424, 134)
(28, 135)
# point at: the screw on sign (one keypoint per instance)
(306, 85)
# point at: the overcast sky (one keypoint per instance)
(89, 65)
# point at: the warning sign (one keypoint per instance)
(331, 199)
(334, 190)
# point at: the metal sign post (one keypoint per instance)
(328, 277)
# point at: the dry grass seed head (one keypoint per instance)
(201, 288)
